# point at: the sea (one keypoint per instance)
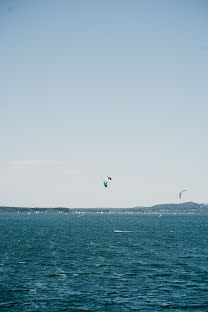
(103, 262)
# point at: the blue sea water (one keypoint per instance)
(57, 262)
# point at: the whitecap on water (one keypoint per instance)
(118, 231)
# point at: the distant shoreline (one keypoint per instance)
(183, 208)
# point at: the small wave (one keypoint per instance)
(21, 262)
(78, 309)
(101, 265)
(56, 275)
(8, 304)
(112, 293)
(118, 231)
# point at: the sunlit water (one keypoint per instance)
(78, 263)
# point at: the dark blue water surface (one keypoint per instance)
(57, 262)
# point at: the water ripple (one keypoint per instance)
(64, 263)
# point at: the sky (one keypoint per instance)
(95, 88)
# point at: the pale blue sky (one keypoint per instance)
(96, 88)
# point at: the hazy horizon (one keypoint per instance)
(137, 206)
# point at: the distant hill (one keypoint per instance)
(188, 207)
